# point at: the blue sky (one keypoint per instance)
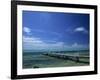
(55, 31)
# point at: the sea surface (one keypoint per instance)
(38, 60)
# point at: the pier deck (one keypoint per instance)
(76, 58)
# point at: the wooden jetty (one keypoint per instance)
(76, 58)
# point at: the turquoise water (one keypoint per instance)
(38, 60)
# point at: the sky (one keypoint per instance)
(55, 31)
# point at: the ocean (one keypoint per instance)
(38, 60)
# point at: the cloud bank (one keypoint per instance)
(36, 44)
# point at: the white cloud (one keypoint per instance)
(31, 39)
(27, 30)
(33, 43)
(80, 29)
(80, 46)
(75, 45)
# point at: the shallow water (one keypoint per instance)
(38, 60)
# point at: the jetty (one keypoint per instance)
(76, 58)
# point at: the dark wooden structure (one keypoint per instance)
(76, 58)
